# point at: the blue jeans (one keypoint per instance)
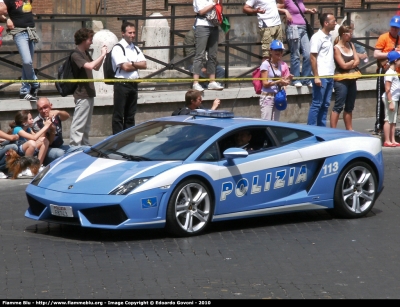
(345, 95)
(321, 99)
(26, 49)
(55, 153)
(299, 46)
(3, 150)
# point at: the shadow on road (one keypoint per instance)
(264, 223)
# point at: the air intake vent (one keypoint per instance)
(35, 206)
(107, 215)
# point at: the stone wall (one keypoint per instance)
(162, 103)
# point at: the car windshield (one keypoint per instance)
(155, 141)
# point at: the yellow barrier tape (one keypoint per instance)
(167, 80)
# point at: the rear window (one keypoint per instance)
(287, 135)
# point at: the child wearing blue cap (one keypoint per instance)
(391, 98)
(277, 75)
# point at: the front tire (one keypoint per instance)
(355, 190)
(190, 208)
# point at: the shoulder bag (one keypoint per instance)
(257, 84)
(309, 28)
(215, 15)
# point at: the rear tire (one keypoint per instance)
(355, 190)
(190, 208)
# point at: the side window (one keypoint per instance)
(286, 135)
(251, 139)
(210, 154)
(260, 140)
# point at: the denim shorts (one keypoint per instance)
(20, 151)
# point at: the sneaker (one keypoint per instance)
(298, 84)
(25, 173)
(198, 87)
(28, 97)
(309, 84)
(41, 168)
(28, 172)
(215, 86)
(3, 176)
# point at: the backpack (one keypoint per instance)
(257, 83)
(181, 111)
(108, 70)
(65, 72)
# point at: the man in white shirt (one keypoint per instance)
(322, 64)
(126, 62)
(269, 21)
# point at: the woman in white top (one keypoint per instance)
(206, 38)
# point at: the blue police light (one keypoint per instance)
(212, 113)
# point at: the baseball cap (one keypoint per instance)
(277, 45)
(393, 56)
(395, 21)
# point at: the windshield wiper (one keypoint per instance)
(102, 154)
(131, 157)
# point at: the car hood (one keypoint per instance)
(84, 174)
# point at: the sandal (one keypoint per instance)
(389, 145)
(397, 144)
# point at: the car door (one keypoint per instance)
(262, 179)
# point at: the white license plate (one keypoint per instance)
(64, 211)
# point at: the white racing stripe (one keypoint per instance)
(317, 151)
(341, 146)
(98, 165)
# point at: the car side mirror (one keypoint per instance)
(233, 153)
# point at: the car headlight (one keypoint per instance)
(40, 176)
(128, 186)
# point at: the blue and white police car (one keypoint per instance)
(184, 172)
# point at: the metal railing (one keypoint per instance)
(239, 54)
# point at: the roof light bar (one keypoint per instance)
(212, 113)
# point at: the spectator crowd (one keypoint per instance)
(319, 61)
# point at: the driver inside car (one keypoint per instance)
(242, 140)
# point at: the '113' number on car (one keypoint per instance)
(330, 168)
